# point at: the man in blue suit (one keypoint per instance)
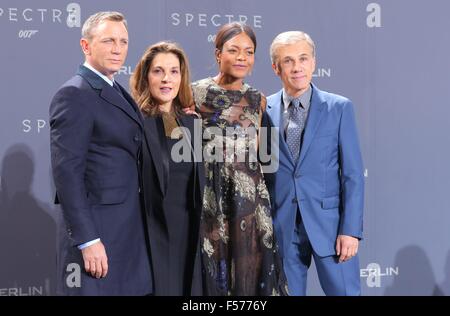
(96, 139)
(318, 190)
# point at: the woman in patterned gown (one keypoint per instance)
(239, 252)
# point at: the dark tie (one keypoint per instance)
(295, 127)
(116, 86)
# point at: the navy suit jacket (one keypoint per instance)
(96, 137)
(327, 182)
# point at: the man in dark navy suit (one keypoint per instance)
(96, 139)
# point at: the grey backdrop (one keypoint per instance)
(389, 57)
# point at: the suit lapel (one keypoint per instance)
(164, 150)
(155, 147)
(314, 117)
(111, 96)
(188, 122)
(274, 110)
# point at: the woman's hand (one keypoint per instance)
(191, 111)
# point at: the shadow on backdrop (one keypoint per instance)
(444, 287)
(415, 277)
(27, 231)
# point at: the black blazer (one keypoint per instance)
(95, 138)
(155, 180)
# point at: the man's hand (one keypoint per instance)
(95, 260)
(346, 247)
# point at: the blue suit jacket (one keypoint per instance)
(327, 183)
(95, 139)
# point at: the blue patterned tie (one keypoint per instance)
(295, 127)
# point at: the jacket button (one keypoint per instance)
(294, 200)
(136, 138)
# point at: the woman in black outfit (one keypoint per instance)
(172, 188)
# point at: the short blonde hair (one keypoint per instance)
(287, 38)
(94, 20)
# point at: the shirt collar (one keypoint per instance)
(305, 99)
(109, 81)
